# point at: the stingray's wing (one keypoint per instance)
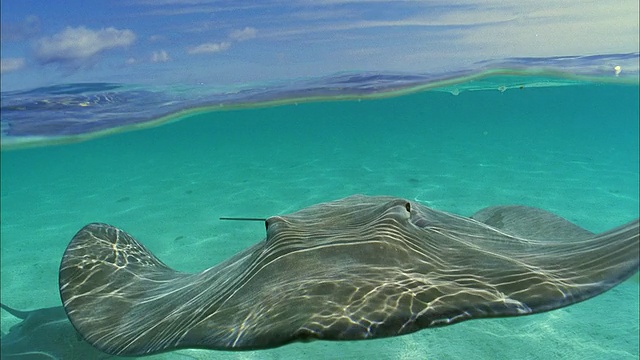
(356, 268)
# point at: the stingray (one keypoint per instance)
(356, 268)
(45, 334)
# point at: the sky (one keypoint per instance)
(226, 42)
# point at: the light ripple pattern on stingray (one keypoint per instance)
(356, 268)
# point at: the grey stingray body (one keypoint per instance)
(45, 334)
(356, 268)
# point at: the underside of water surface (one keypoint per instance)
(76, 112)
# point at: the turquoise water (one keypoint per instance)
(572, 150)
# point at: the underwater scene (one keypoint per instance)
(569, 148)
(204, 184)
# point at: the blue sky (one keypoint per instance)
(222, 42)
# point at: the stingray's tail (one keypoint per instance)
(17, 313)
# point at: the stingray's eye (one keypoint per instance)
(408, 206)
(271, 221)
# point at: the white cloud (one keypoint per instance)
(131, 61)
(160, 56)
(572, 29)
(11, 64)
(76, 44)
(477, 30)
(244, 34)
(209, 48)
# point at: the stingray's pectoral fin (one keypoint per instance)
(530, 222)
(111, 284)
(577, 270)
(610, 257)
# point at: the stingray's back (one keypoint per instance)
(356, 268)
